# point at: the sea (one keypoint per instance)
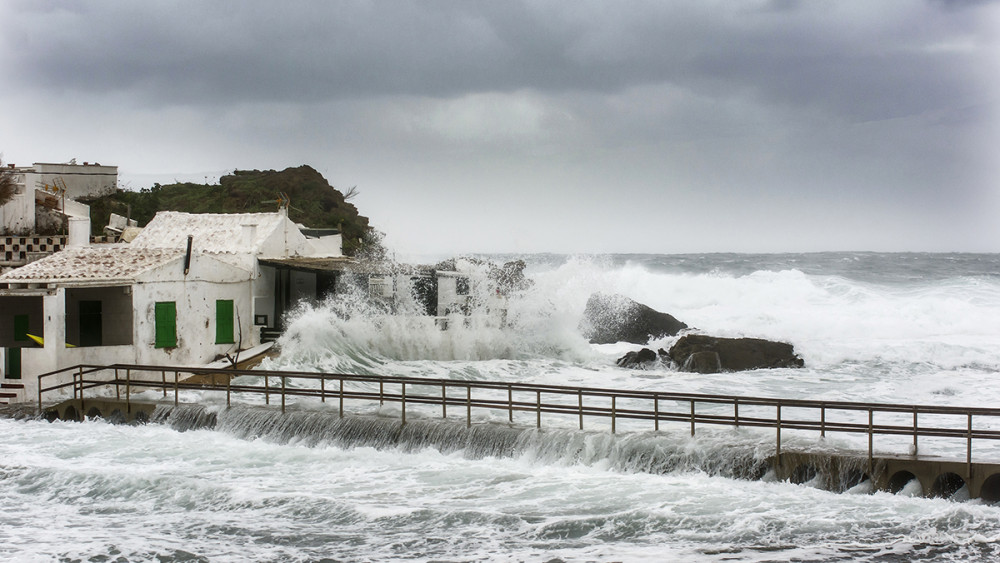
(255, 485)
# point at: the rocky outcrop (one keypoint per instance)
(638, 359)
(708, 354)
(614, 318)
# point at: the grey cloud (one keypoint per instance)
(193, 52)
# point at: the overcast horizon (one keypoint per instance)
(521, 127)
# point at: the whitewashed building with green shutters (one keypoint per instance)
(189, 289)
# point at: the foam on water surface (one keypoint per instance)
(892, 328)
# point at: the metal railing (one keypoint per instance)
(581, 402)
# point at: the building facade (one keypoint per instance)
(188, 289)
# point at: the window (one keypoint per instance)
(165, 316)
(224, 321)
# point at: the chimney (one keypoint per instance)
(79, 231)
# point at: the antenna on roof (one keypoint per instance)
(283, 201)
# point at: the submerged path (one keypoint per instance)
(107, 391)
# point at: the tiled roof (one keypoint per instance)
(212, 232)
(96, 263)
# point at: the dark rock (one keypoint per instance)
(637, 359)
(708, 354)
(705, 361)
(614, 318)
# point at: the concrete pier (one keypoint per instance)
(836, 471)
(938, 477)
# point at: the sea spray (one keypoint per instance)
(731, 455)
(871, 327)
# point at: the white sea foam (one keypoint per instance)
(96, 490)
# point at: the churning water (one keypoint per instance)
(249, 484)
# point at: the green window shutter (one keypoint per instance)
(13, 363)
(166, 324)
(224, 322)
(20, 328)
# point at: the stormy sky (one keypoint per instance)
(579, 127)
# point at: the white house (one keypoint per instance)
(55, 187)
(187, 290)
(44, 195)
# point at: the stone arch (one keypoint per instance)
(52, 415)
(94, 412)
(141, 417)
(70, 414)
(900, 479)
(990, 491)
(947, 485)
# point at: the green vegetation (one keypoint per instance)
(314, 202)
(7, 186)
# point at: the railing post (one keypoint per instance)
(322, 389)
(341, 399)
(128, 391)
(510, 402)
(403, 415)
(777, 454)
(163, 376)
(267, 391)
(692, 417)
(538, 408)
(915, 430)
(613, 397)
(444, 401)
(118, 391)
(282, 394)
(468, 406)
(176, 386)
(656, 413)
(381, 392)
(580, 406)
(968, 451)
(822, 421)
(736, 411)
(871, 437)
(229, 391)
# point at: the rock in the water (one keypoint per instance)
(614, 318)
(705, 361)
(637, 359)
(708, 354)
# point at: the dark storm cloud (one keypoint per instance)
(844, 58)
(851, 124)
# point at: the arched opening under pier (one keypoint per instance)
(805, 473)
(851, 479)
(990, 491)
(946, 485)
(899, 482)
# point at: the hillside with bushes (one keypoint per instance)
(313, 202)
